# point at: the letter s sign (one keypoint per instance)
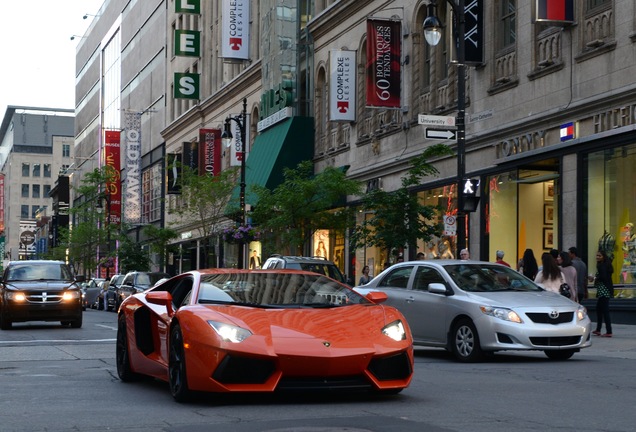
(186, 86)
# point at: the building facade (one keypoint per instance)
(549, 113)
(36, 145)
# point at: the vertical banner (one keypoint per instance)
(235, 33)
(209, 151)
(112, 163)
(474, 32)
(191, 156)
(236, 146)
(342, 85)
(173, 172)
(555, 12)
(132, 202)
(383, 68)
(1, 206)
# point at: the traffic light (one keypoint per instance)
(469, 195)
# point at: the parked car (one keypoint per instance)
(40, 290)
(91, 291)
(313, 264)
(111, 294)
(472, 308)
(228, 330)
(135, 282)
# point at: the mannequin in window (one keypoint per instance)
(321, 251)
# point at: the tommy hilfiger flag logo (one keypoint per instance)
(567, 131)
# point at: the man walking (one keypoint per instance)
(581, 273)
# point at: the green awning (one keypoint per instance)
(282, 146)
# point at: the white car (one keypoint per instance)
(472, 308)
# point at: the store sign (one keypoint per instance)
(235, 32)
(173, 173)
(342, 88)
(132, 135)
(112, 162)
(519, 144)
(187, 43)
(210, 151)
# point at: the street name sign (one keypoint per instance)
(442, 134)
(433, 120)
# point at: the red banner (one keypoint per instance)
(1, 204)
(384, 70)
(112, 163)
(209, 151)
(555, 11)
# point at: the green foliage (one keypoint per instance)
(132, 257)
(160, 241)
(304, 203)
(398, 219)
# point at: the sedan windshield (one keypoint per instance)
(480, 277)
(276, 289)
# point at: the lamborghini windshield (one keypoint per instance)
(276, 288)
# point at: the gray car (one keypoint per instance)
(472, 308)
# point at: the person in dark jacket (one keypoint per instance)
(528, 265)
(604, 292)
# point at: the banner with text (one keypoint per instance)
(112, 163)
(342, 85)
(235, 33)
(132, 192)
(209, 151)
(383, 68)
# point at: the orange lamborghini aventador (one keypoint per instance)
(227, 330)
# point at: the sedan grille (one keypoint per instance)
(546, 318)
(555, 341)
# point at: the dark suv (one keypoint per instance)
(40, 290)
(312, 264)
(135, 282)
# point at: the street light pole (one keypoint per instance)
(432, 32)
(241, 121)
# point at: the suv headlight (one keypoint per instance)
(16, 296)
(70, 295)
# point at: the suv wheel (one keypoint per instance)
(77, 322)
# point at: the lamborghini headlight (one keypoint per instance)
(230, 333)
(501, 313)
(395, 330)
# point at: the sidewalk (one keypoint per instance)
(621, 345)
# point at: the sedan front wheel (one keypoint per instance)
(465, 342)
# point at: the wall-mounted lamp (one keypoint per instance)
(77, 36)
(91, 15)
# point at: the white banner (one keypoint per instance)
(132, 187)
(236, 154)
(342, 85)
(235, 33)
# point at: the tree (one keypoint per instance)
(132, 257)
(398, 219)
(304, 203)
(160, 242)
(204, 201)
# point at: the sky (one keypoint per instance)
(38, 55)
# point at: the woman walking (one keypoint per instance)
(604, 292)
(528, 265)
(569, 272)
(550, 277)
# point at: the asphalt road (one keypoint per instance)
(60, 379)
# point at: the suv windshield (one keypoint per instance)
(38, 271)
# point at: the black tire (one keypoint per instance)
(177, 376)
(124, 371)
(5, 323)
(559, 354)
(77, 322)
(465, 342)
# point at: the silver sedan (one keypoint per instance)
(472, 308)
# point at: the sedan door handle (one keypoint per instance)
(410, 299)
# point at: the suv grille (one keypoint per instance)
(44, 297)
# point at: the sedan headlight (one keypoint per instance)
(230, 333)
(501, 313)
(395, 330)
(581, 313)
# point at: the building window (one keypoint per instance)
(46, 191)
(26, 169)
(24, 211)
(593, 4)
(151, 195)
(66, 150)
(25, 190)
(36, 170)
(34, 211)
(47, 170)
(36, 191)
(507, 23)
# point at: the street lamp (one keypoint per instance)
(433, 33)
(227, 139)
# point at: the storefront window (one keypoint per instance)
(611, 212)
(444, 246)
